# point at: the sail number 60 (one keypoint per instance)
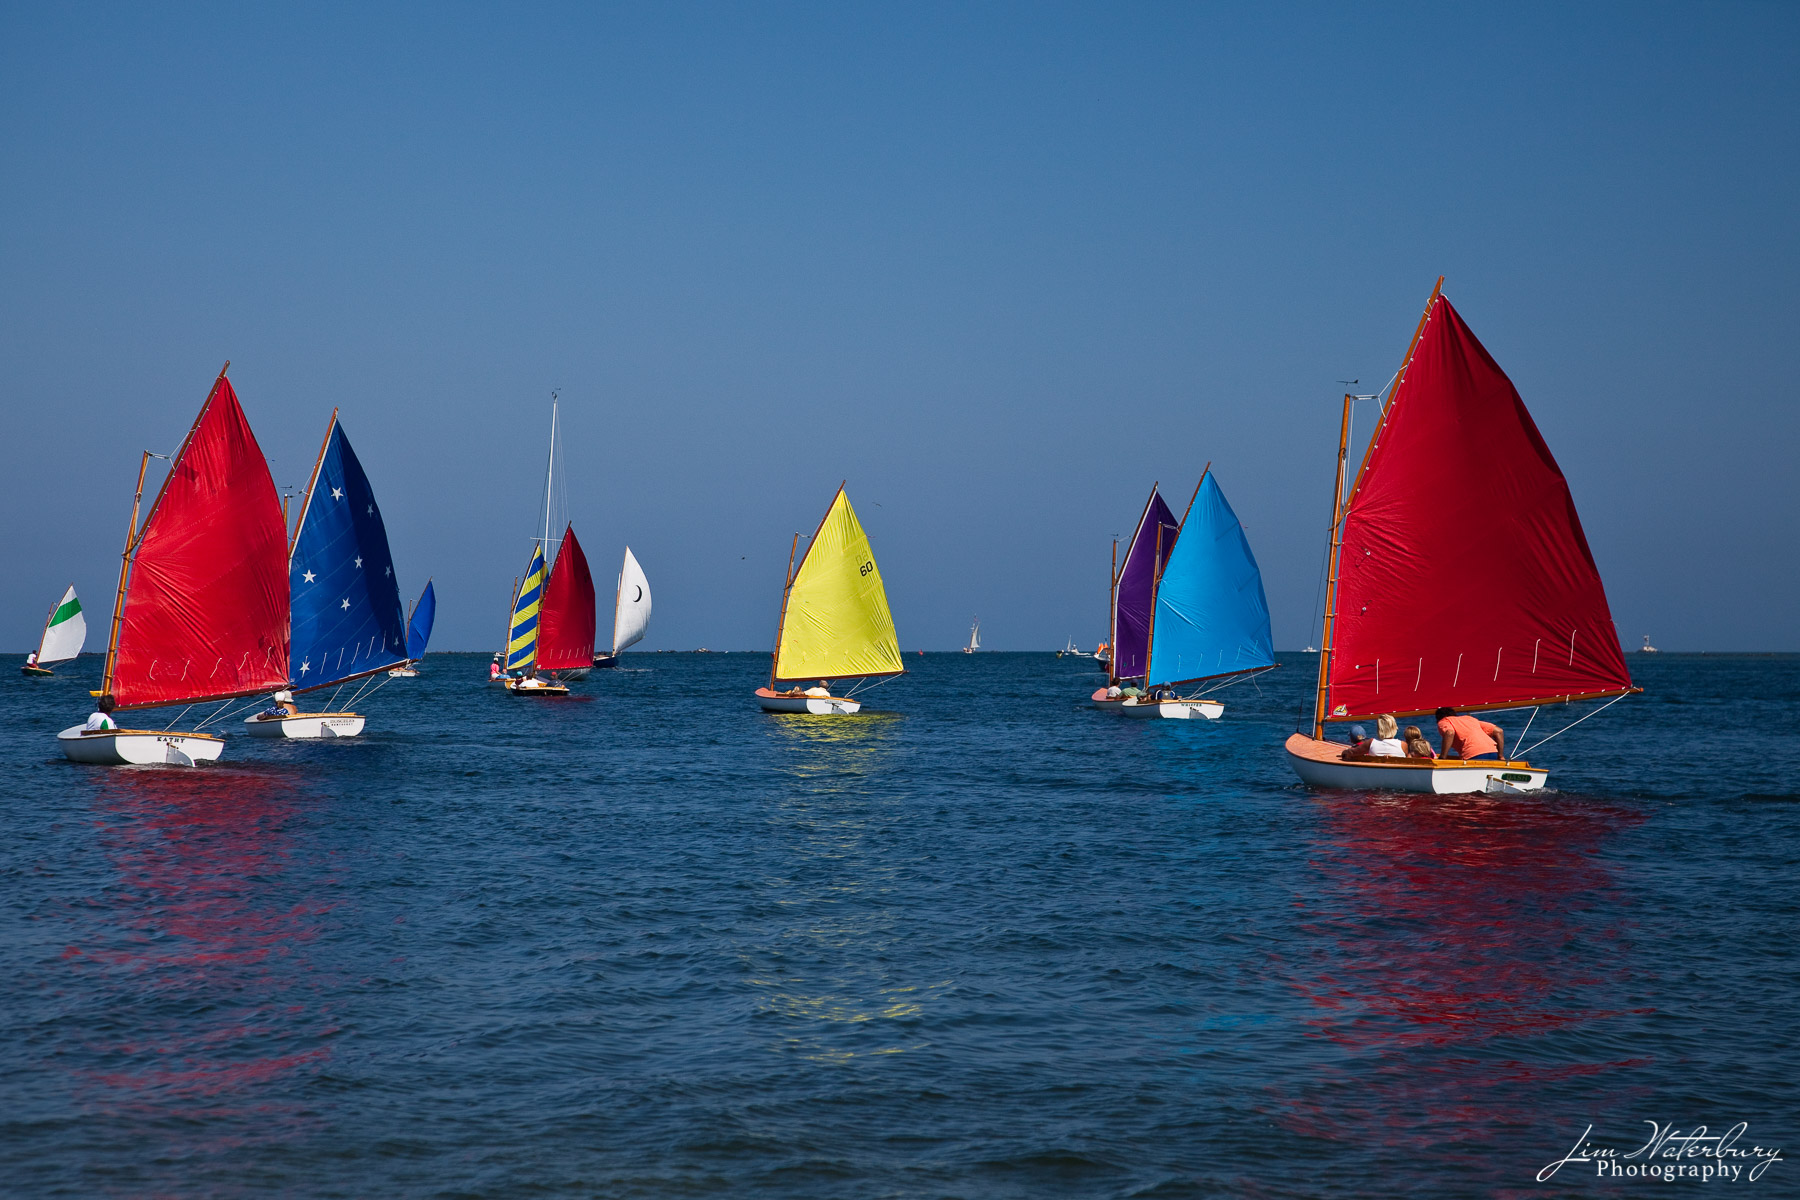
(865, 568)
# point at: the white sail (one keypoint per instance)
(632, 615)
(64, 632)
(975, 636)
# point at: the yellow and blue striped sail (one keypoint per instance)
(522, 635)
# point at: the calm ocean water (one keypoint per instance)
(986, 943)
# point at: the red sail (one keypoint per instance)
(566, 619)
(1464, 577)
(205, 612)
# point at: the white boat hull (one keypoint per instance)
(1317, 766)
(305, 725)
(403, 673)
(138, 747)
(818, 706)
(1179, 710)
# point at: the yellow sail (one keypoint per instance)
(836, 622)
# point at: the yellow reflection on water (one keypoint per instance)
(828, 974)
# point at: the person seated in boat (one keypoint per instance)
(822, 692)
(282, 705)
(1416, 745)
(1385, 743)
(1114, 692)
(31, 659)
(1468, 738)
(494, 668)
(101, 720)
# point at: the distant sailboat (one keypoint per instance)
(418, 632)
(1419, 616)
(1069, 651)
(1209, 619)
(1134, 585)
(343, 599)
(974, 637)
(835, 622)
(65, 630)
(552, 627)
(631, 610)
(202, 606)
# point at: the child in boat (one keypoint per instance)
(1468, 738)
(101, 719)
(1416, 745)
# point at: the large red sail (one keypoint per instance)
(566, 619)
(205, 612)
(1464, 577)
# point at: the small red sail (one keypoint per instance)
(1464, 577)
(205, 611)
(566, 619)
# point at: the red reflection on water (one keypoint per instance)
(1439, 927)
(202, 964)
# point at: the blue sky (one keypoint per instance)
(999, 266)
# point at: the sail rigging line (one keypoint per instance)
(177, 717)
(1520, 740)
(1579, 720)
(1236, 677)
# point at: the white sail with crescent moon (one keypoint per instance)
(632, 615)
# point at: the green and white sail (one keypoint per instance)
(64, 631)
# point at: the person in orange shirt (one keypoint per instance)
(1467, 738)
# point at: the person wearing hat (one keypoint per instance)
(1385, 744)
(284, 705)
(494, 668)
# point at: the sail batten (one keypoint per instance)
(346, 615)
(835, 622)
(1464, 576)
(203, 614)
(1212, 618)
(565, 630)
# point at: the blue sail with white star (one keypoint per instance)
(345, 601)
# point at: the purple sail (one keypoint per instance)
(1137, 586)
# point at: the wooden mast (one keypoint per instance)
(1196, 495)
(781, 621)
(1155, 584)
(132, 533)
(618, 590)
(311, 482)
(1337, 502)
(1112, 617)
(1331, 565)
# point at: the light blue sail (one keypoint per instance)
(418, 629)
(1211, 615)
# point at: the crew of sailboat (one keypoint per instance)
(216, 602)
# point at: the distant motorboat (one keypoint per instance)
(1647, 648)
